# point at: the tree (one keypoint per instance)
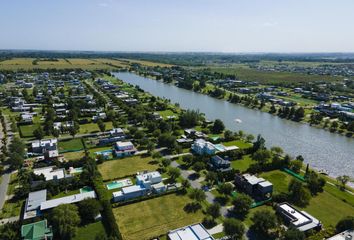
(263, 222)
(234, 228)
(72, 131)
(345, 223)
(225, 189)
(214, 210)
(89, 209)
(101, 125)
(38, 133)
(343, 180)
(296, 165)
(294, 234)
(189, 118)
(187, 159)
(228, 135)
(218, 126)
(167, 140)
(242, 204)
(211, 178)
(299, 113)
(259, 143)
(174, 173)
(262, 156)
(197, 195)
(65, 219)
(315, 183)
(198, 166)
(298, 193)
(185, 183)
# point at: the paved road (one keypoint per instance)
(5, 178)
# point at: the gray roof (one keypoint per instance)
(35, 199)
(66, 200)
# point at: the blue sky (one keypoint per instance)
(178, 25)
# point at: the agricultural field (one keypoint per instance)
(248, 74)
(154, 217)
(120, 168)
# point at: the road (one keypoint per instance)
(6, 175)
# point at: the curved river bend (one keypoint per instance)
(322, 149)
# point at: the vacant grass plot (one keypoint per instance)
(93, 127)
(27, 130)
(74, 155)
(242, 164)
(279, 179)
(239, 143)
(154, 217)
(127, 166)
(70, 144)
(329, 209)
(90, 231)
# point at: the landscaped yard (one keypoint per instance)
(70, 144)
(90, 231)
(74, 155)
(11, 208)
(93, 127)
(127, 166)
(279, 179)
(239, 143)
(154, 217)
(242, 164)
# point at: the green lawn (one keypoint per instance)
(279, 179)
(93, 127)
(127, 166)
(11, 208)
(329, 209)
(74, 155)
(90, 231)
(70, 144)
(27, 130)
(239, 143)
(64, 194)
(166, 113)
(242, 164)
(154, 217)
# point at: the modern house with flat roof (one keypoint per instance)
(300, 220)
(192, 232)
(254, 186)
(202, 147)
(41, 146)
(37, 202)
(123, 149)
(346, 235)
(51, 173)
(36, 231)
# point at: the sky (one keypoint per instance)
(178, 25)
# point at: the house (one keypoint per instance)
(37, 202)
(51, 173)
(192, 133)
(36, 231)
(116, 132)
(122, 149)
(300, 220)
(192, 232)
(98, 116)
(26, 118)
(220, 164)
(346, 235)
(256, 187)
(146, 183)
(202, 147)
(42, 146)
(129, 192)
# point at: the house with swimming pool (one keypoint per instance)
(123, 149)
(203, 147)
(146, 183)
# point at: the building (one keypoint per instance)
(117, 132)
(220, 164)
(202, 147)
(192, 232)
(36, 231)
(26, 118)
(346, 235)
(122, 149)
(51, 173)
(256, 187)
(37, 202)
(146, 183)
(300, 220)
(42, 146)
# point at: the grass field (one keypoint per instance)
(74, 155)
(154, 217)
(279, 179)
(70, 144)
(248, 74)
(90, 231)
(93, 127)
(329, 209)
(239, 143)
(127, 166)
(27, 130)
(242, 164)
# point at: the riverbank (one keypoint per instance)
(321, 149)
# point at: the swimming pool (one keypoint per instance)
(119, 184)
(75, 170)
(220, 147)
(104, 152)
(85, 189)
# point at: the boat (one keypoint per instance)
(323, 172)
(237, 120)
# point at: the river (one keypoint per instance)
(321, 149)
